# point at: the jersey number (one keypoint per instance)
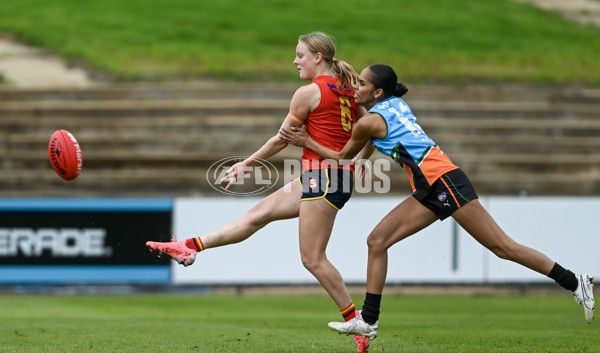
(346, 113)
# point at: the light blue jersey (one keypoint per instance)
(407, 144)
(402, 126)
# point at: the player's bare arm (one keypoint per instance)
(302, 103)
(371, 125)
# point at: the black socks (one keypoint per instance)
(370, 309)
(565, 278)
(562, 276)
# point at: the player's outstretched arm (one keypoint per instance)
(301, 104)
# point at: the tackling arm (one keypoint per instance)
(366, 127)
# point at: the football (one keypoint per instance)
(65, 154)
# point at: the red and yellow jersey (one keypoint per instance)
(331, 123)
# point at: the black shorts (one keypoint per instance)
(331, 184)
(447, 194)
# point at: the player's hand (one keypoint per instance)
(362, 168)
(294, 135)
(234, 173)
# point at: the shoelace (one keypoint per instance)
(585, 295)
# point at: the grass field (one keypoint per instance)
(251, 323)
(436, 40)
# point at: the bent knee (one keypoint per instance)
(311, 262)
(377, 242)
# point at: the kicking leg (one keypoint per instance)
(282, 204)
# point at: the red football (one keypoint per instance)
(65, 154)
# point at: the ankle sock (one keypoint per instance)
(194, 244)
(564, 277)
(370, 309)
(349, 312)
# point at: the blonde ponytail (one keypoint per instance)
(345, 72)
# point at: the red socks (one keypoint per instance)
(349, 312)
(194, 244)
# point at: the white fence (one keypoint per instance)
(564, 228)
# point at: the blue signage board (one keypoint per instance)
(83, 241)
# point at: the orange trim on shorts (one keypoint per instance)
(450, 190)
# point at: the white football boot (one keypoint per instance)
(584, 295)
(356, 326)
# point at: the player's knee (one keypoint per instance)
(500, 252)
(505, 251)
(311, 261)
(376, 242)
(307, 263)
